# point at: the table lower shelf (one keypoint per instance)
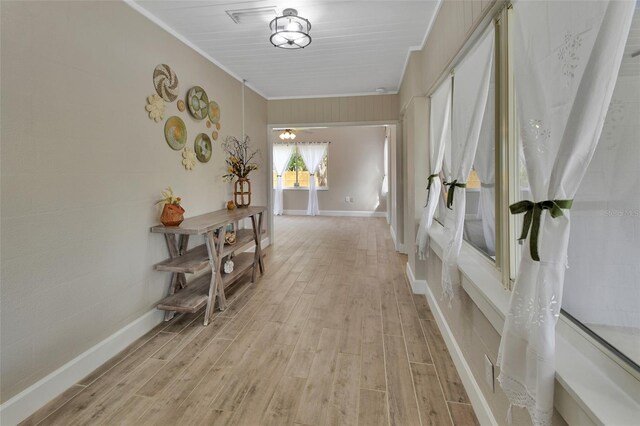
(197, 259)
(195, 295)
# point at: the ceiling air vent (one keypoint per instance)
(253, 15)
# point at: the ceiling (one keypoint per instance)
(357, 47)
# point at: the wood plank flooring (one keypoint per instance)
(330, 335)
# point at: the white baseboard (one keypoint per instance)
(478, 401)
(349, 213)
(35, 396)
(417, 286)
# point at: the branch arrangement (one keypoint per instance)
(240, 159)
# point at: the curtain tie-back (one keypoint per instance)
(278, 175)
(429, 182)
(487, 185)
(532, 214)
(312, 174)
(452, 187)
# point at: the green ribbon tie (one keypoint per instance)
(452, 188)
(430, 181)
(532, 213)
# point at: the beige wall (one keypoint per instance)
(475, 336)
(455, 22)
(82, 166)
(355, 168)
(349, 109)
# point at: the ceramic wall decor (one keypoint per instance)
(218, 125)
(175, 132)
(203, 148)
(188, 158)
(181, 105)
(166, 82)
(155, 107)
(198, 102)
(214, 135)
(214, 112)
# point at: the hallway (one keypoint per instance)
(331, 334)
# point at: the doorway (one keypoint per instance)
(355, 177)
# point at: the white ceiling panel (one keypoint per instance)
(357, 47)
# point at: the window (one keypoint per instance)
(480, 208)
(297, 176)
(602, 284)
(480, 219)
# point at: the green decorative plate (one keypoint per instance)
(202, 147)
(175, 132)
(198, 102)
(214, 112)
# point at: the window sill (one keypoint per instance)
(597, 385)
(304, 188)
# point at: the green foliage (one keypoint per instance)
(296, 160)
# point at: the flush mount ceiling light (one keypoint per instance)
(290, 31)
(287, 134)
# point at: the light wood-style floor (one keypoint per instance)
(331, 334)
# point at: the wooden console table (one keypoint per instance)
(209, 287)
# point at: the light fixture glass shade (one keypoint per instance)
(287, 134)
(290, 31)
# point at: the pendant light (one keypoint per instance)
(290, 31)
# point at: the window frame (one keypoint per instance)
(297, 186)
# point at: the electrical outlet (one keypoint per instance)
(489, 373)
(348, 199)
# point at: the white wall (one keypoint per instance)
(82, 166)
(355, 168)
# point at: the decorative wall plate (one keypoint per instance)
(214, 135)
(175, 132)
(214, 112)
(218, 125)
(155, 107)
(166, 82)
(181, 105)
(198, 102)
(188, 158)
(203, 148)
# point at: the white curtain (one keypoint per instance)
(312, 154)
(471, 89)
(385, 180)
(439, 138)
(281, 156)
(566, 58)
(484, 165)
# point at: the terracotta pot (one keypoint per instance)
(242, 192)
(172, 215)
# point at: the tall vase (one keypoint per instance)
(242, 192)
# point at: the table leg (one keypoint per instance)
(216, 287)
(176, 278)
(257, 236)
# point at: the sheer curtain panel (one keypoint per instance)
(566, 58)
(281, 156)
(385, 180)
(439, 138)
(485, 166)
(312, 154)
(471, 89)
